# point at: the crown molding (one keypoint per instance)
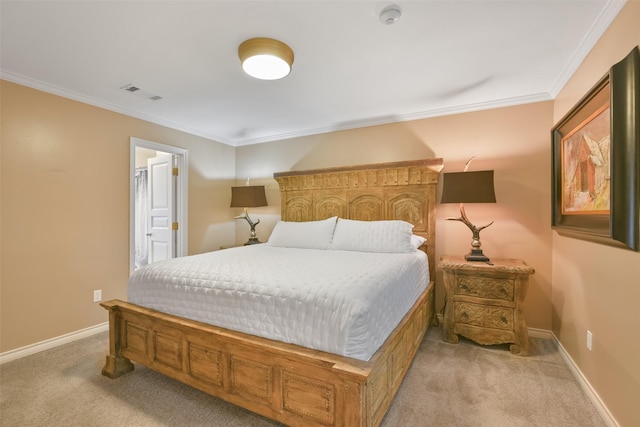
(606, 17)
(66, 93)
(600, 25)
(438, 112)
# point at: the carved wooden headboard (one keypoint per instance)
(399, 190)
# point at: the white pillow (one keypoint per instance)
(304, 235)
(417, 241)
(373, 236)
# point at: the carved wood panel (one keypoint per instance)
(412, 207)
(168, 350)
(308, 397)
(401, 190)
(251, 379)
(327, 206)
(379, 388)
(397, 359)
(205, 364)
(485, 287)
(135, 338)
(484, 316)
(298, 209)
(367, 208)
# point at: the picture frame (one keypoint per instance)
(596, 161)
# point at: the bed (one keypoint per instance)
(293, 383)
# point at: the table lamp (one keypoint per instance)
(249, 196)
(469, 187)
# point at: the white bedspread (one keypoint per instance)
(342, 302)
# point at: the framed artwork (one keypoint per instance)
(596, 161)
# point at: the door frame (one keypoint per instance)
(181, 198)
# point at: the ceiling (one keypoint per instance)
(350, 70)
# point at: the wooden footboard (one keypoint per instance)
(288, 383)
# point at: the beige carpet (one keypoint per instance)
(447, 385)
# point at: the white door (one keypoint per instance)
(160, 217)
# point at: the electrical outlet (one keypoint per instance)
(589, 340)
(97, 295)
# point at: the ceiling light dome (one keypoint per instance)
(265, 58)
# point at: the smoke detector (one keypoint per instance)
(390, 15)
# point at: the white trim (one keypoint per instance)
(182, 201)
(540, 333)
(593, 396)
(66, 93)
(347, 125)
(606, 17)
(602, 22)
(436, 112)
(28, 350)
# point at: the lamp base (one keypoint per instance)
(252, 241)
(476, 255)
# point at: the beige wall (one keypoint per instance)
(65, 209)
(513, 141)
(597, 287)
(64, 219)
(578, 285)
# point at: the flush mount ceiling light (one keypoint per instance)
(265, 58)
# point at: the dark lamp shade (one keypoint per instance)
(250, 196)
(468, 187)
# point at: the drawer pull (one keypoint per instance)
(503, 320)
(464, 287)
(464, 315)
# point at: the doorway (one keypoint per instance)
(155, 236)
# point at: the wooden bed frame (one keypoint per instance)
(291, 384)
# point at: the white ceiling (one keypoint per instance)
(350, 70)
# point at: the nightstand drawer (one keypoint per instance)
(484, 287)
(483, 316)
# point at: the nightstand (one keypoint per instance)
(237, 245)
(484, 302)
(230, 246)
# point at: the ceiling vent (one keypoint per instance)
(141, 92)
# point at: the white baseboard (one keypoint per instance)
(540, 333)
(51, 343)
(602, 409)
(533, 332)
